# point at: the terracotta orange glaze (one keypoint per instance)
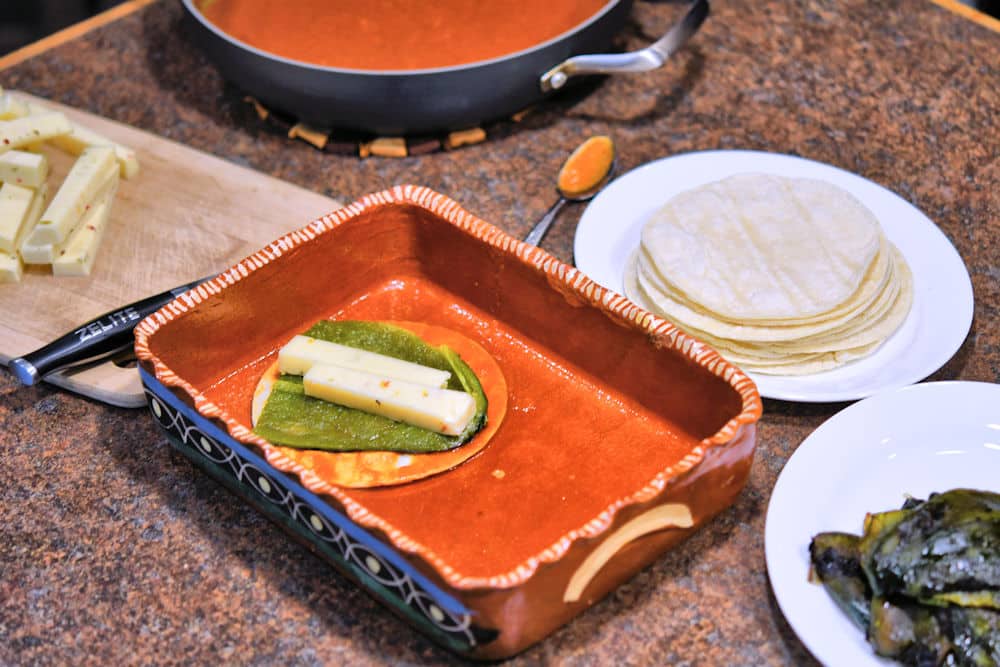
(587, 442)
(610, 409)
(583, 431)
(587, 166)
(395, 34)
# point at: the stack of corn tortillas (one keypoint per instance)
(782, 276)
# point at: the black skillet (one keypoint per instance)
(413, 102)
(388, 103)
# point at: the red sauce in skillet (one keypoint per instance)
(395, 34)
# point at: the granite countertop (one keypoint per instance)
(115, 549)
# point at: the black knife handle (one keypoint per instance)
(101, 337)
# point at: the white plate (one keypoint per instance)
(942, 299)
(927, 437)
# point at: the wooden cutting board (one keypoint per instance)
(185, 216)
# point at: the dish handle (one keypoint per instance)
(643, 60)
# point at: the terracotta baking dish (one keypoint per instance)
(397, 102)
(622, 435)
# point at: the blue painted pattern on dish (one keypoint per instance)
(376, 565)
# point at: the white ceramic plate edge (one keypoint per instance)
(938, 322)
(857, 441)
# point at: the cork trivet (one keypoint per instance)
(423, 146)
(346, 142)
(282, 121)
(519, 116)
(261, 110)
(388, 147)
(341, 147)
(473, 135)
(310, 135)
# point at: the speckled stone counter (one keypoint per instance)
(114, 549)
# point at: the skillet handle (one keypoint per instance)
(651, 57)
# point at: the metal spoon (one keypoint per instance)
(573, 185)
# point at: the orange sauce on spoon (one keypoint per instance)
(395, 34)
(586, 167)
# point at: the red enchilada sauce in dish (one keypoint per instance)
(395, 34)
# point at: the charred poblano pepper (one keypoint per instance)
(879, 533)
(945, 551)
(836, 563)
(910, 633)
(976, 635)
(924, 580)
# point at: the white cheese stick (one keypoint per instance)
(24, 168)
(31, 129)
(90, 174)
(80, 138)
(440, 410)
(38, 203)
(11, 269)
(76, 257)
(303, 352)
(15, 202)
(11, 107)
(42, 253)
(31, 254)
(48, 253)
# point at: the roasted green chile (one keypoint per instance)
(293, 419)
(922, 581)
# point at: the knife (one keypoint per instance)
(99, 338)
